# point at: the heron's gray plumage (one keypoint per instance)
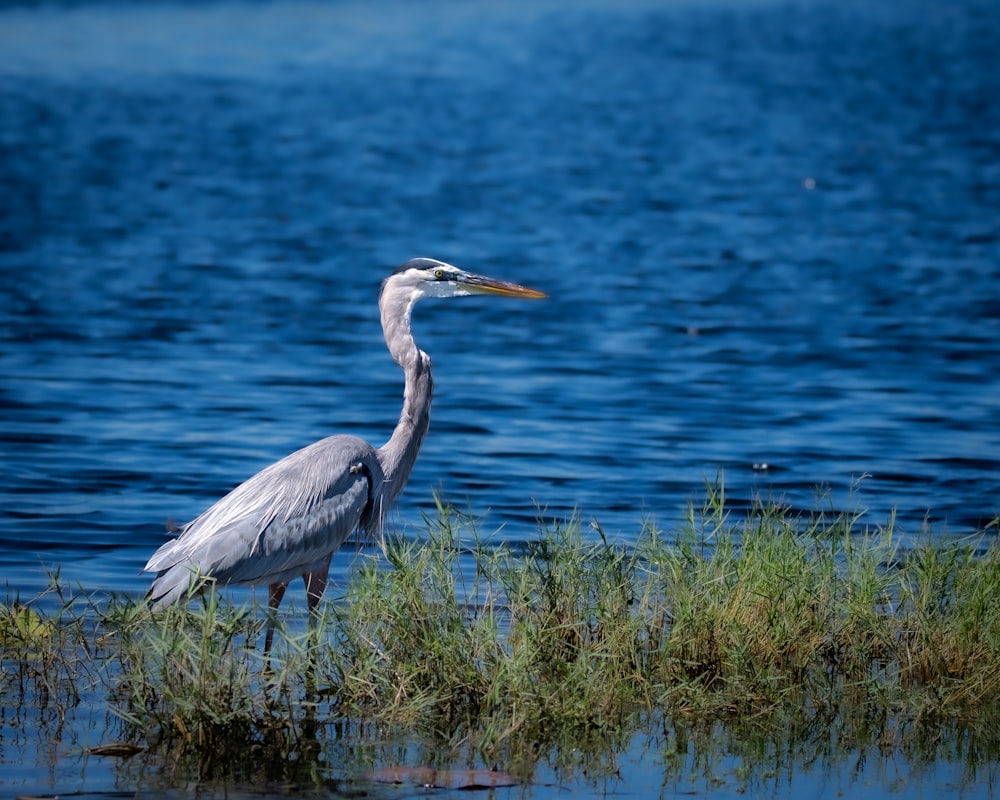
(278, 525)
(288, 519)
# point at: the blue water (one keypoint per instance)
(770, 232)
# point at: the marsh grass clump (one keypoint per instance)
(194, 683)
(576, 639)
(407, 642)
(188, 679)
(949, 627)
(46, 656)
(484, 642)
(756, 616)
(772, 625)
(773, 617)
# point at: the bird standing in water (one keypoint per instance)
(291, 517)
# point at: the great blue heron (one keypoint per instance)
(288, 519)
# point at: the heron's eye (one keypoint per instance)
(440, 274)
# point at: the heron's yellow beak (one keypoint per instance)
(484, 285)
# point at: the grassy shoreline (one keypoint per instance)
(782, 634)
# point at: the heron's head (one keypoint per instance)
(427, 277)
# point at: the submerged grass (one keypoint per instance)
(775, 627)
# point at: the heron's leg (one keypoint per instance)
(274, 594)
(315, 586)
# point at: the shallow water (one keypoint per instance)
(769, 232)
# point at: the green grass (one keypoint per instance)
(773, 631)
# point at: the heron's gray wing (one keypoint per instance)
(277, 524)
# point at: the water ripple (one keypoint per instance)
(768, 233)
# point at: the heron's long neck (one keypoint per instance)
(399, 454)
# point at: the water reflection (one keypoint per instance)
(815, 752)
(744, 268)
